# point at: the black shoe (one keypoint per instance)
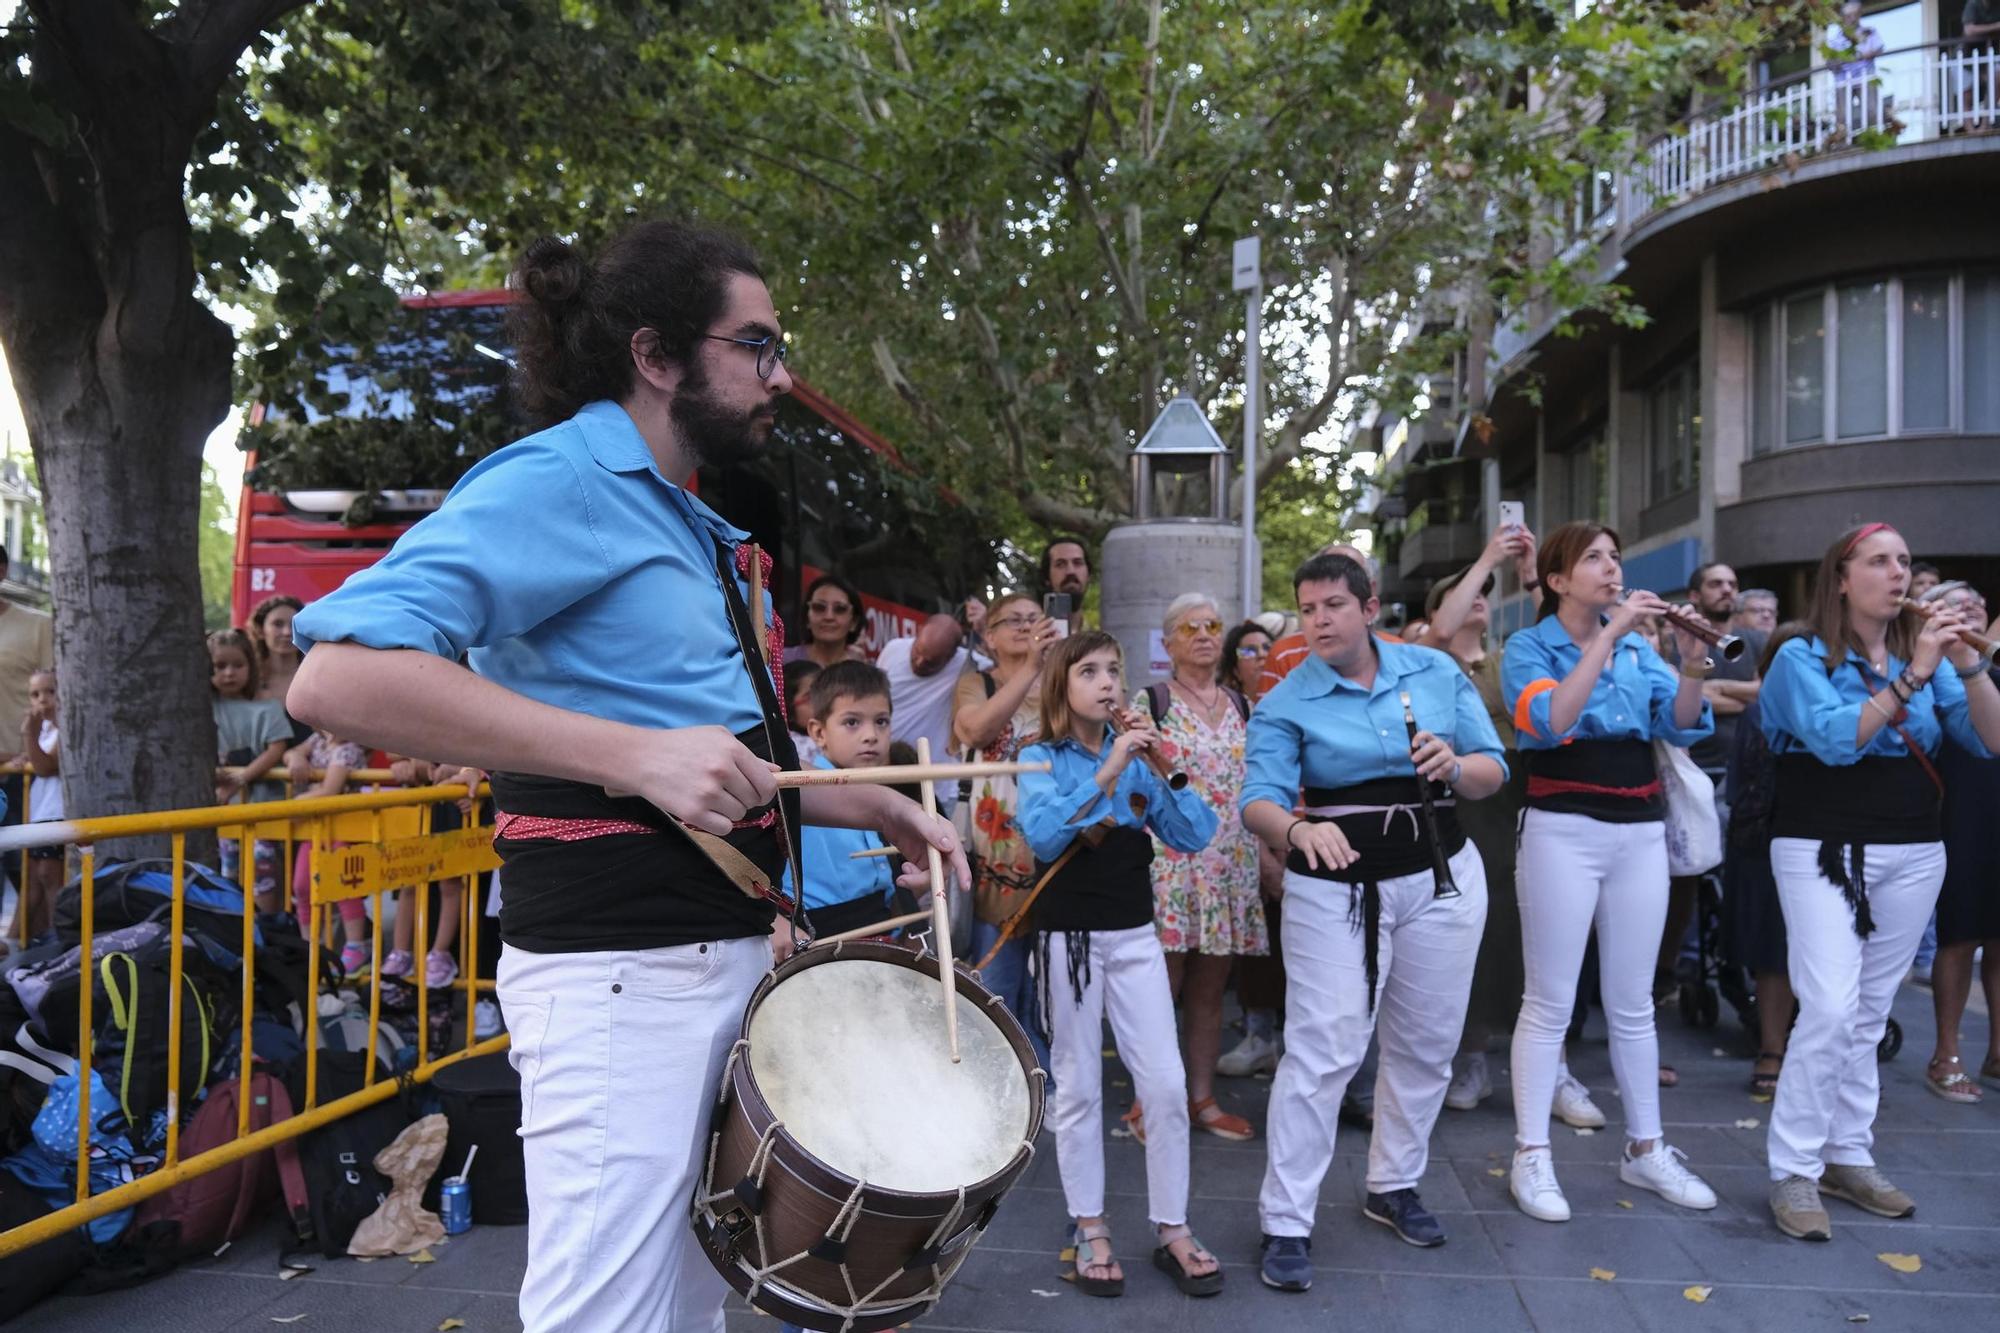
(1404, 1213)
(1287, 1263)
(1356, 1116)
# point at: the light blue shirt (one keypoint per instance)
(1806, 711)
(1053, 806)
(832, 874)
(1631, 700)
(1317, 728)
(572, 572)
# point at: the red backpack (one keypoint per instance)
(203, 1214)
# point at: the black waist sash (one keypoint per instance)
(1616, 781)
(1388, 838)
(1880, 799)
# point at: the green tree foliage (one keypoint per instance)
(216, 547)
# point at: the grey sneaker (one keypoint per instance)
(1867, 1188)
(1469, 1083)
(1796, 1207)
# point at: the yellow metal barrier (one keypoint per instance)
(390, 847)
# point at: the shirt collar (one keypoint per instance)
(617, 446)
(1318, 679)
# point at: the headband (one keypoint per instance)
(1867, 530)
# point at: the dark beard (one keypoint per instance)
(718, 434)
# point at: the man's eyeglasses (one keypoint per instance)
(771, 350)
(1188, 629)
(829, 608)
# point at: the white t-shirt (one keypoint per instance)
(922, 704)
(45, 795)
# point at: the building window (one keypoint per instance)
(1585, 490)
(1673, 433)
(1877, 359)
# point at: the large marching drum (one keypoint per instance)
(852, 1163)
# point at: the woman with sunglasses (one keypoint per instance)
(833, 624)
(1243, 656)
(1205, 903)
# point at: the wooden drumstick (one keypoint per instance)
(940, 910)
(864, 932)
(867, 852)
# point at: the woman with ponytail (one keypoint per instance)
(1855, 713)
(603, 611)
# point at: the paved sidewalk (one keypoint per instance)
(1500, 1271)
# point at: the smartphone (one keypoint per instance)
(1513, 514)
(1057, 606)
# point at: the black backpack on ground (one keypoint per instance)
(26, 1276)
(342, 1185)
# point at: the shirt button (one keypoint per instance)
(616, 988)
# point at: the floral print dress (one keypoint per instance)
(1207, 901)
(1002, 863)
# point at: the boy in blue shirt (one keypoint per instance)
(849, 724)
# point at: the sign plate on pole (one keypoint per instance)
(1248, 264)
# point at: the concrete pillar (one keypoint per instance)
(1143, 566)
(1725, 407)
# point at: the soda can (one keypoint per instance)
(455, 1205)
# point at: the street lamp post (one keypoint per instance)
(1248, 276)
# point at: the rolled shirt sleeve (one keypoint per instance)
(1528, 678)
(513, 545)
(1472, 729)
(1181, 819)
(1799, 699)
(1272, 760)
(1055, 804)
(1664, 683)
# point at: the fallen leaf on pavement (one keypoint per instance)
(422, 1257)
(286, 1318)
(1602, 1274)
(1858, 1318)
(1496, 1170)
(1624, 1203)
(1585, 1133)
(1748, 1122)
(1119, 1132)
(1121, 1083)
(1698, 1294)
(450, 1324)
(1039, 1292)
(1902, 1263)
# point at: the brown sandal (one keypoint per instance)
(1221, 1124)
(1765, 1085)
(1135, 1120)
(1081, 1262)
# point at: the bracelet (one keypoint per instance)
(1896, 688)
(1457, 772)
(1288, 833)
(1910, 681)
(1875, 702)
(1978, 668)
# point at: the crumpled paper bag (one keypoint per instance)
(402, 1225)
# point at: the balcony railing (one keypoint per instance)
(1913, 95)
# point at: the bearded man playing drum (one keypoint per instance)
(612, 650)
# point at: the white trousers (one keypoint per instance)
(1128, 979)
(620, 1055)
(1828, 1088)
(1424, 955)
(1574, 872)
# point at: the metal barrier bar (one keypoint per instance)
(98, 828)
(246, 880)
(176, 963)
(83, 1022)
(420, 945)
(375, 964)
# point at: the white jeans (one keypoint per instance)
(1828, 1089)
(1424, 956)
(620, 1055)
(1128, 977)
(1572, 872)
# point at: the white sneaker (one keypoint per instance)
(1573, 1105)
(486, 1020)
(1532, 1181)
(1255, 1054)
(1662, 1171)
(1469, 1084)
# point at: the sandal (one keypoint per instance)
(1135, 1120)
(1765, 1084)
(1957, 1086)
(1081, 1265)
(1205, 1114)
(1190, 1284)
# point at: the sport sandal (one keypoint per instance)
(1190, 1284)
(1082, 1261)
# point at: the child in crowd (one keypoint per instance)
(850, 726)
(334, 759)
(251, 735)
(45, 797)
(440, 964)
(799, 677)
(1087, 820)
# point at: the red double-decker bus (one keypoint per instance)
(829, 495)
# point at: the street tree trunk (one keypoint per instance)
(122, 373)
